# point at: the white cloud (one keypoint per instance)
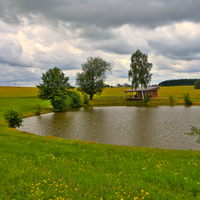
(36, 36)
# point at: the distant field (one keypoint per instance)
(6, 92)
(113, 93)
(163, 92)
(178, 91)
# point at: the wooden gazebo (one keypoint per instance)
(136, 94)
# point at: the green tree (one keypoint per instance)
(85, 98)
(140, 70)
(54, 88)
(197, 85)
(75, 99)
(91, 80)
(13, 117)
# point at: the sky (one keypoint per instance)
(36, 35)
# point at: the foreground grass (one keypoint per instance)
(35, 167)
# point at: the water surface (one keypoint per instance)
(158, 127)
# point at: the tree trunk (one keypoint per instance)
(91, 96)
(142, 94)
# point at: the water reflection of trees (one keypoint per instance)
(160, 127)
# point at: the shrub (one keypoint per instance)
(86, 99)
(13, 117)
(197, 85)
(171, 98)
(147, 98)
(75, 99)
(59, 103)
(39, 109)
(195, 131)
(186, 98)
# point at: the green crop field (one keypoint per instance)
(36, 167)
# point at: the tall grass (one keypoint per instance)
(186, 97)
(171, 98)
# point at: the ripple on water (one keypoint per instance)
(158, 127)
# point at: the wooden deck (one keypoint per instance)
(134, 99)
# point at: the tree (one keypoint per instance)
(54, 88)
(140, 70)
(91, 80)
(197, 85)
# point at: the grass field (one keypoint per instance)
(35, 167)
(14, 92)
(163, 92)
(115, 96)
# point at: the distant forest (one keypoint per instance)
(178, 82)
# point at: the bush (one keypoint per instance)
(171, 98)
(86, 99)
(75, 99)
(147, 98)
(39, 109)
(195, 131)
(59, 103)
(186, 98)
(197, 85)
(13, 117)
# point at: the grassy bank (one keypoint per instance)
(35, 167)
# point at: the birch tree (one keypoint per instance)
(140, 71)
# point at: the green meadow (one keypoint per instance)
(36, 167)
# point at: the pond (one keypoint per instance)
(157, 127)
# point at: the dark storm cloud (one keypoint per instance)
(187, 49)
(118, 46)
(175, 52)
(112, 13)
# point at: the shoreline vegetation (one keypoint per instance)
(36, 167)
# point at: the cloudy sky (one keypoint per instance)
(36, 35)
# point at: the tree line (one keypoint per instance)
(90, 81)
(178, 82)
